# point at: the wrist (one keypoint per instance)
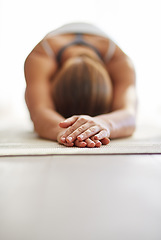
(107, 123)
(46, 124)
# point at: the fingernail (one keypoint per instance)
(63, 139)
(80, 137)
(98, 144)
(69, 139)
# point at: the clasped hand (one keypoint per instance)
(83, 131)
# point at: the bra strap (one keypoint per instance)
(46, 46)
(110, 52)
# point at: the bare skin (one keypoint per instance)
(83, 130)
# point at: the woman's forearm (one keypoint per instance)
(45, 119)
(121, 123)
(46, 123)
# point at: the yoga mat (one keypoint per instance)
(146, 139)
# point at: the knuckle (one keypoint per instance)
(93, 129)
(88, 131)
(80, 129)
(71, 129)
(91, 122)
(82, 119)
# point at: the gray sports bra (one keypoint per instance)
(77, 41)
(78, 29)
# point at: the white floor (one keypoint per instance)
(116, 197)
(75, 197)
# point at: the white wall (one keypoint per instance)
(134, 25)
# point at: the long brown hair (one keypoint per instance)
(82, 86)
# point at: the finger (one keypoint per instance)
(62, 140)
(81, 128)
(105, 141)
(73, 131)
(102, 134)
(90, 143)
(77, 143)
(68, 122)
(97, 142)
(88, 133)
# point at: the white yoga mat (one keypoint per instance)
(146, 139)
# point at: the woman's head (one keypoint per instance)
(82, 86)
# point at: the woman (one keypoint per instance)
(80, 87)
